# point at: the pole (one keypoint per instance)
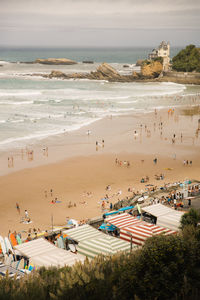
(131, 242)
(52, 222)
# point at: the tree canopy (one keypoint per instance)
(187, 60)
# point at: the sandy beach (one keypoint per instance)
(78, 170)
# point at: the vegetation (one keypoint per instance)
(187, 60)
(190, 218)
(166, 267)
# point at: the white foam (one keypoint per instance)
(16, 93)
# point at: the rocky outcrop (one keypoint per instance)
(87, 62)
(108, 73)
(103, 72)
(139, 62)
(151, 69)
(55, 61)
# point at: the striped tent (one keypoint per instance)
(83, 232)
(106, 245)
(123, 220)
(140, 232)
(42, 253)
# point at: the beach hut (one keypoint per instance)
(83, 232)
(140, 232)
(105, 245)
(166, 217)
(122, 220)
(42, 253)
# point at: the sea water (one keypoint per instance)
(33, 107)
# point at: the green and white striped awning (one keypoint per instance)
(83, 232)
(106, 245)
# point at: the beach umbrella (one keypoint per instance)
(73, 222)
(107, 227)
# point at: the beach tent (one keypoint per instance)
(106, 245)
(140, 232)
(42, 253)
(122, 220)
(171, 220)
(82, 233)
(157, 210)
(166, 217)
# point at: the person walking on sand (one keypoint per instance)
(18, 208)
(26, 215)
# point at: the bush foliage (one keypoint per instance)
(187, 60)
(166, 267)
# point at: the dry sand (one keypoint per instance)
(74, 167)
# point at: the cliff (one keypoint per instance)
(151, 69)
(55, 61)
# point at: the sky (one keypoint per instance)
(99, 23)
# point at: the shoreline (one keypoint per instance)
(75, 167)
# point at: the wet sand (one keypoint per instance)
(75, 167)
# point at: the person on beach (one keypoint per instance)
(155, 161)
(26, 215)
(51, 192)
(18, 208)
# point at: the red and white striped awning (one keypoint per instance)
(123, 220)
(140, 232)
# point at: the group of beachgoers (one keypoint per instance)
(121, 163)
(28, 153)
(100, 144)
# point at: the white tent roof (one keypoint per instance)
(171, 221)
(166, 217)
(157, 209)
(83, 232)
(43, 253)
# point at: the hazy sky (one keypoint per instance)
(99, 22)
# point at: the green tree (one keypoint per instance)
(192, 217)
(187, 60)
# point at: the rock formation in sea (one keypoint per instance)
(55, 61)
(103, 72)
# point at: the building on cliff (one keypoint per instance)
(163, 51)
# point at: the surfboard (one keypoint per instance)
(72, 248)
(13, 240)
(8, 245)
(3, 246)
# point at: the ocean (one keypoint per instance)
(33, 108)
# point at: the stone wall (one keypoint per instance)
(182, 77)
